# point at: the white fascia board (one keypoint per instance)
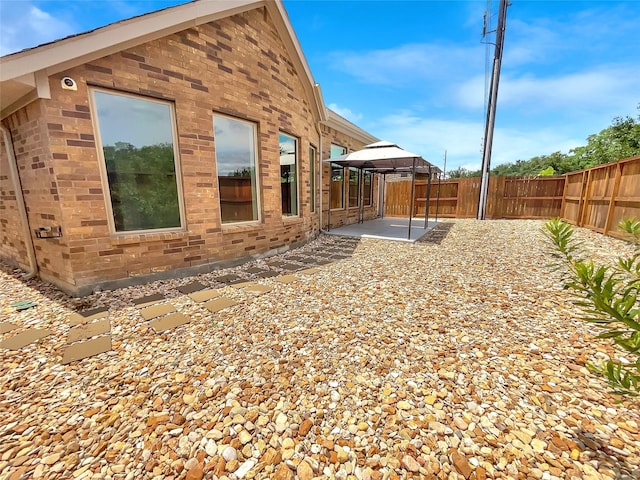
(69, 52)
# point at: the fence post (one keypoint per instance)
(612, 199)
(584, 197)
(563, 205)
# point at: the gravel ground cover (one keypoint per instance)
(460, 358)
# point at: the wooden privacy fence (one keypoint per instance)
(597, 198)
(600, 197)
(508, 197)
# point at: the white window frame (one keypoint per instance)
(103, 164)
(297, 164)
(256, 161)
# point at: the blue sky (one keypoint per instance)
(413, 72)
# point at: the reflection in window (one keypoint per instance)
(288, 175)
(368, 191)
(354, 177)
(236, 165)
(138, 147)
(337, 178)
(337, 186)
(312, 179)
(337, 150)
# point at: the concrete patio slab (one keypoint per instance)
(267, 274)
(16, 342)
(259, 289)
(204, 295)
(241, 285)
(148, 300)
(286, 279)
(82, 332)
(309, 271)
(191, 287)
(229, 278)
(219, 303)
(81, 350)
(291, 267)
(7, 327)
(388, 228)
(170, 321)
(157, 310)
(86, 316)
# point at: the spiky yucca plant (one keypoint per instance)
(608, 298)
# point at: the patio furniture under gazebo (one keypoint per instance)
(385, 157)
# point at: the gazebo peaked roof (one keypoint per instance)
(386, 157)
(381, 157)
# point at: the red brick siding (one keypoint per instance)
(236, 66)
(31, 142)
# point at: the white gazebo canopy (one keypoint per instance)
(385, 157)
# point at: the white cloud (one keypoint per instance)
(24, 25)
(462, 139)
(409, 63)
(345, 112)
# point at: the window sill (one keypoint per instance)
(131, 238)
(240, 227)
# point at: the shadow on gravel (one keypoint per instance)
(437, 234)
(324, 250)
(607, 456)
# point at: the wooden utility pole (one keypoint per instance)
(491, 109)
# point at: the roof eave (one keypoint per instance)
(40, 62)
(343, 125)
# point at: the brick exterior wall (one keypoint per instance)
(33, 142)
(345, 215)
(12, 244)
(235, 66)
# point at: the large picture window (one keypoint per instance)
(288, 175)
(235, 144)
(337, 178)
(312, 179)
(138, 148)
(354, 183)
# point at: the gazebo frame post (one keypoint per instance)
(413, 189)
(329, 203)
(426, 209)
(384, 192)
(438, 198)
(360, 196)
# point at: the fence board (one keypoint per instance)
(600, 197)
(508, 197)
(597, 198)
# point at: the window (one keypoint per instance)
(354, 183)
(337, 178)
(337, 150)
(137, 140)
(337, 186)
(288, 175)
(312, 179)
(235, 144)
(368, 191)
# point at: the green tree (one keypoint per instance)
(142, 183)
(618, 141)
(462, 172)
(608, 298)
